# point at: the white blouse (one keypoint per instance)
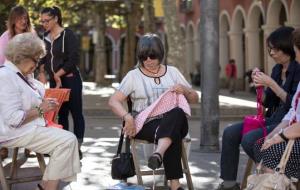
(144, 91)
(17, 97)
(294, 112)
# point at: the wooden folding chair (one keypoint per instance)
(161, 171)
(12, 178)
(140, 173)
(7, 181)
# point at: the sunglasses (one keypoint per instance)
(150, 55)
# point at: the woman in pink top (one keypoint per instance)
(18, 22)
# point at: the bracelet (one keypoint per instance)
(283, 136)
(40, 111)
(123, 117)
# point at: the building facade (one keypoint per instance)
(244, 26)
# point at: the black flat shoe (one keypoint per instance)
(40, 187)
(155, 161)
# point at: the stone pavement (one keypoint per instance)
(100, 143)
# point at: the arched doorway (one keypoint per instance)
(276, 16)
(109, 55)
(224, 45)
(295, 14)
(255, 38)
(237, 44)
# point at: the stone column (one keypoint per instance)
(253, 54)
(224, 52)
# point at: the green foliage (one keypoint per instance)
(5, 6)
(72, 10)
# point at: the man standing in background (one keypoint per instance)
(231, 73)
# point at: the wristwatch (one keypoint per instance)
(281, 134)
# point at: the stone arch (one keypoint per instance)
(224, 21)
(277, 15)
(237, 43)
(255, 37)
(190, 47)
(295, 14)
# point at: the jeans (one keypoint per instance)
(231, 140)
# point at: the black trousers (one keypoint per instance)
(175, 126)
(74, 105)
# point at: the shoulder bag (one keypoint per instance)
(273, 181)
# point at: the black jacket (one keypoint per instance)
(275, 107)
(62, 53)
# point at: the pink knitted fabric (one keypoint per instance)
(166, 102)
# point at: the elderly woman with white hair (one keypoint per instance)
(22, 107)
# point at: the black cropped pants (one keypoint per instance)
(174, 125)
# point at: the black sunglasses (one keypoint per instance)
(150, 55)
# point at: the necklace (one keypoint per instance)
(155, 73)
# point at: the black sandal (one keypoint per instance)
(155, 161)
(40, 187)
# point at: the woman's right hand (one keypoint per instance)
(49, 104)
(129, 129)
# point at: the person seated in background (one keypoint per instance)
(144, 85)
(270, 150)
(22, 107)
(280, 88)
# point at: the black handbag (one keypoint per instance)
(122, 166)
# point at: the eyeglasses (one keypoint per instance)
(34, 60)
(272, 49)
(150, 55)
(46, 21)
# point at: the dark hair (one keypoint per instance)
(150, 44)
(296, 38)
(282, 39)
(54, 12)
(231, 61)
(14, 14)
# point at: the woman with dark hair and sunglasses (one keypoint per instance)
(280, 88)
(18, 22)
(60, 63)
(144, 85)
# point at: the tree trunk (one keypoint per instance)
(176, 51)
(130, 38)
(149, 21)
(100, 54)
(209, 34)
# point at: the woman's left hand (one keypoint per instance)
(178, 88)
(269, 142)
(57, 81)
(261, 79)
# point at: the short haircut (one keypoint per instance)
(25, 45)
(53, 12)
(282, 39)
(296, 38)
(16, 13)
(150, 44)
(231, 61)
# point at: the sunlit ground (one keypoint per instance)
(90, 88)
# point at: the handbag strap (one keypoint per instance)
(285, 157)
(121, 139)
